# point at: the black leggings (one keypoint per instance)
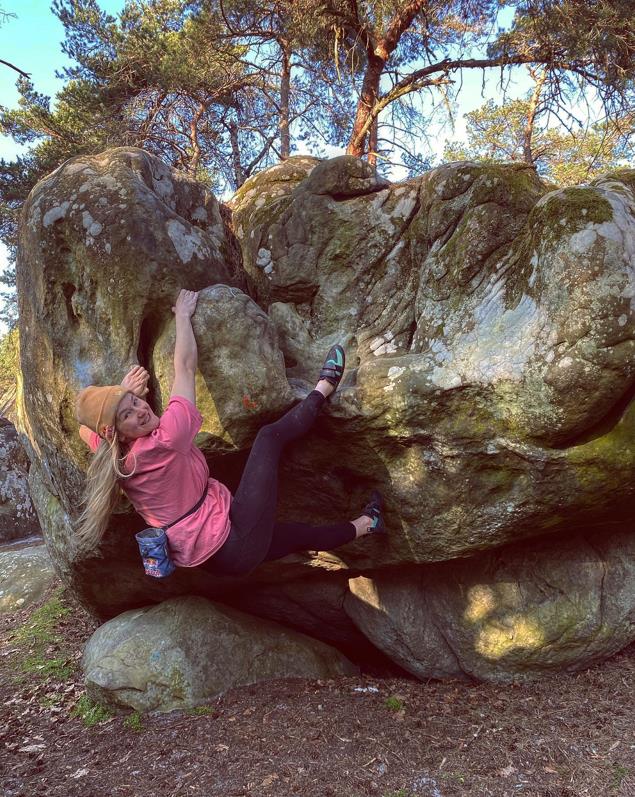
(255, 537)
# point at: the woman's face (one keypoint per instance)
(134, 418)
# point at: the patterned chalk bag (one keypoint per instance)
(153, 546)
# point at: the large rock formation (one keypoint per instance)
(488, 324)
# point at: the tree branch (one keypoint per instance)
(17, 69)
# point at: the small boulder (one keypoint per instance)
(186, 651)
(25, 575)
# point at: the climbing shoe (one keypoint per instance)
(373, 510)
(333, 367)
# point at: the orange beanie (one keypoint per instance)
(97, 406)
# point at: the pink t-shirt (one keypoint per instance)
(170, 474)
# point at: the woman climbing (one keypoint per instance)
(165, 476)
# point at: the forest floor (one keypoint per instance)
(566, 736)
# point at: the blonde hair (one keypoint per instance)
(101, 493)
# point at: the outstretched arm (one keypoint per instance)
(185, 351)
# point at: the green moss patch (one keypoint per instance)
(40, 648)
(572, 209)
(90, 712)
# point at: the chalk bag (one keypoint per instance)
(153, 546)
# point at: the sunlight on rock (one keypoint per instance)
(481, 603)
(495, 641)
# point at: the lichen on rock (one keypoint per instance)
(488, 325)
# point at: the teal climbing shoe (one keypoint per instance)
(373, 510)
(333, 367)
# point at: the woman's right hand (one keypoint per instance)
(186, 303)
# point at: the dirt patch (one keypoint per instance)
(566, 736)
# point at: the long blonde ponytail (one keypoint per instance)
(101, 493)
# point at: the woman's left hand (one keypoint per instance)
(136, 381)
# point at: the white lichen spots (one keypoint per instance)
(107, 247)
(610, 231)
(268, 270)
(622, 320)
(496, 346)
(186, 242)
(405, 205)
(73, 168)
(35, 218)
(260, 201)
(383, 344)
(445, 378)
(162, 186)
(531, 281)
(549, 356)
(263, 258)
(90, 225)
(200, 214)
(396, 250)
(55, 214)
(583, 240)
(395, 372)
(565, 362)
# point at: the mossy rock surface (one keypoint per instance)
(487, 320)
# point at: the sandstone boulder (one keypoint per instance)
(508, 615)
(488, 324)
(186, 651)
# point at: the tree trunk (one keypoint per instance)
(367, 100)
(285, 88)
(378, 53)
(528, 134)
(372, 143)
(196, 147)
(239, 175)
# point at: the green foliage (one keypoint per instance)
(565, 157)
(133, 722)
(393, 703)
(9, 363)
(619, 773)
(200, 711)
(41, 625)
(90, 712)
